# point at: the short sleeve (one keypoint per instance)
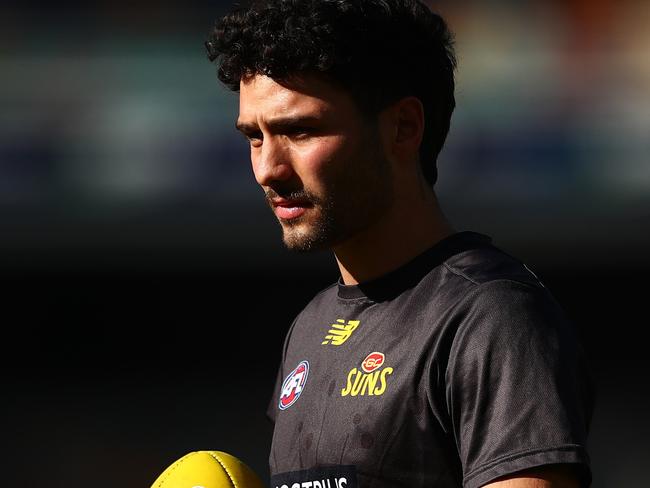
(518, 387)
(272, 408)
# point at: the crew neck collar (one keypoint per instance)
(394, 282)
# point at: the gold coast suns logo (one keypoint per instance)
(371, 379)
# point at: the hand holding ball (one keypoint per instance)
(208, 469)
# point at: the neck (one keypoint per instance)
(411, 226)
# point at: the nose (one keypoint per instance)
(271, 162)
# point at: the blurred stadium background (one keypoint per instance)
(145, 291)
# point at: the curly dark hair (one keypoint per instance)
(377, 50)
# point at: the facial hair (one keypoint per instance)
(354, 197)
(317, 236)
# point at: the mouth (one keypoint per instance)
(289, 209)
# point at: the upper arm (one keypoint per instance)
(518, 389)
(554, 476)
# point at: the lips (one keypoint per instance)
(287, 209)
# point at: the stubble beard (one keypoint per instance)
(354, 197)
(307, 234)
(313, 231)
(344, 212)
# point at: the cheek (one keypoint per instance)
(324, 156)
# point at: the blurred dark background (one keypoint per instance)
(145, 291)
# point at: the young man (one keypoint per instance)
(437, 360)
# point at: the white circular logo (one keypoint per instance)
(293, 385)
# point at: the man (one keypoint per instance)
(437, 360)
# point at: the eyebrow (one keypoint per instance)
(277, 124)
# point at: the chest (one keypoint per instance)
(355, 392)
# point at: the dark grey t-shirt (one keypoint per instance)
(451, 371)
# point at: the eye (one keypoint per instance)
(254, 138)
(300, 132)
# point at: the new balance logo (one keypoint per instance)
(340, 332)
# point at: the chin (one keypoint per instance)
(305, 240)
(301, 244)
(310, 233)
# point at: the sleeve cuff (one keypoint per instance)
(572, 454)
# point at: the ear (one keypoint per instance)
(403, 128)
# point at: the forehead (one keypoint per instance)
(261, 96)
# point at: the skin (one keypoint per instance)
(301, 148)
(370, 203)
(350, 185)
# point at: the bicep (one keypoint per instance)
(557, 476)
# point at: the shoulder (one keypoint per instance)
(500, 303)
(509, 315)
(508, 326)
(488, 281)
(323, 304)
(323, 299)
(488, 278)
(490, 264)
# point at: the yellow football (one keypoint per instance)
(208, 469)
